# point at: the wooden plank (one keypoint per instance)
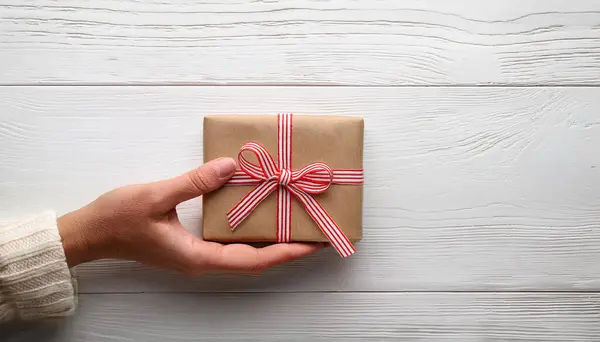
(300, 42)
(467, 188)
(327, 317)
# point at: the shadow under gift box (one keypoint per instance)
(334, 140)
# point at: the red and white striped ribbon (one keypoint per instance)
(313, 178)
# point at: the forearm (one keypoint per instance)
(35, 280)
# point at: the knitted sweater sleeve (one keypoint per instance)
(35, 280)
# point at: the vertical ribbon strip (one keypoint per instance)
(314, 178)
(284, 198)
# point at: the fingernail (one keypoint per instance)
(224, 166)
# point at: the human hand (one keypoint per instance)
(140, 223)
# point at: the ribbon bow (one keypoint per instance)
(314, 178)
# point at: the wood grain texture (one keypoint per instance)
(362, 42)
(327, 317)
(466, 188)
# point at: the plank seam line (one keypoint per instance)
(273, 85)
(345, 292)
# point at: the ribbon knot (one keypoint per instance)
(314, 178)
(285, 176)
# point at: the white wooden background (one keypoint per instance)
(482, 154)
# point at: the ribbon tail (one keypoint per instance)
(252, 199)
(334, 234)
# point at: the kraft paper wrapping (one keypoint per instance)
(335, 140)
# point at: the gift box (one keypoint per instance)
(311, 167)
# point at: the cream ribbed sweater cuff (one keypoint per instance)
(35, 281)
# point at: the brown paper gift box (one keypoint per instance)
(335, 140)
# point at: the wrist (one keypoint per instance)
(72, 229)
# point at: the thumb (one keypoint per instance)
(194, 183)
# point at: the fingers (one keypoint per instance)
(206, 178)
(245, 258)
